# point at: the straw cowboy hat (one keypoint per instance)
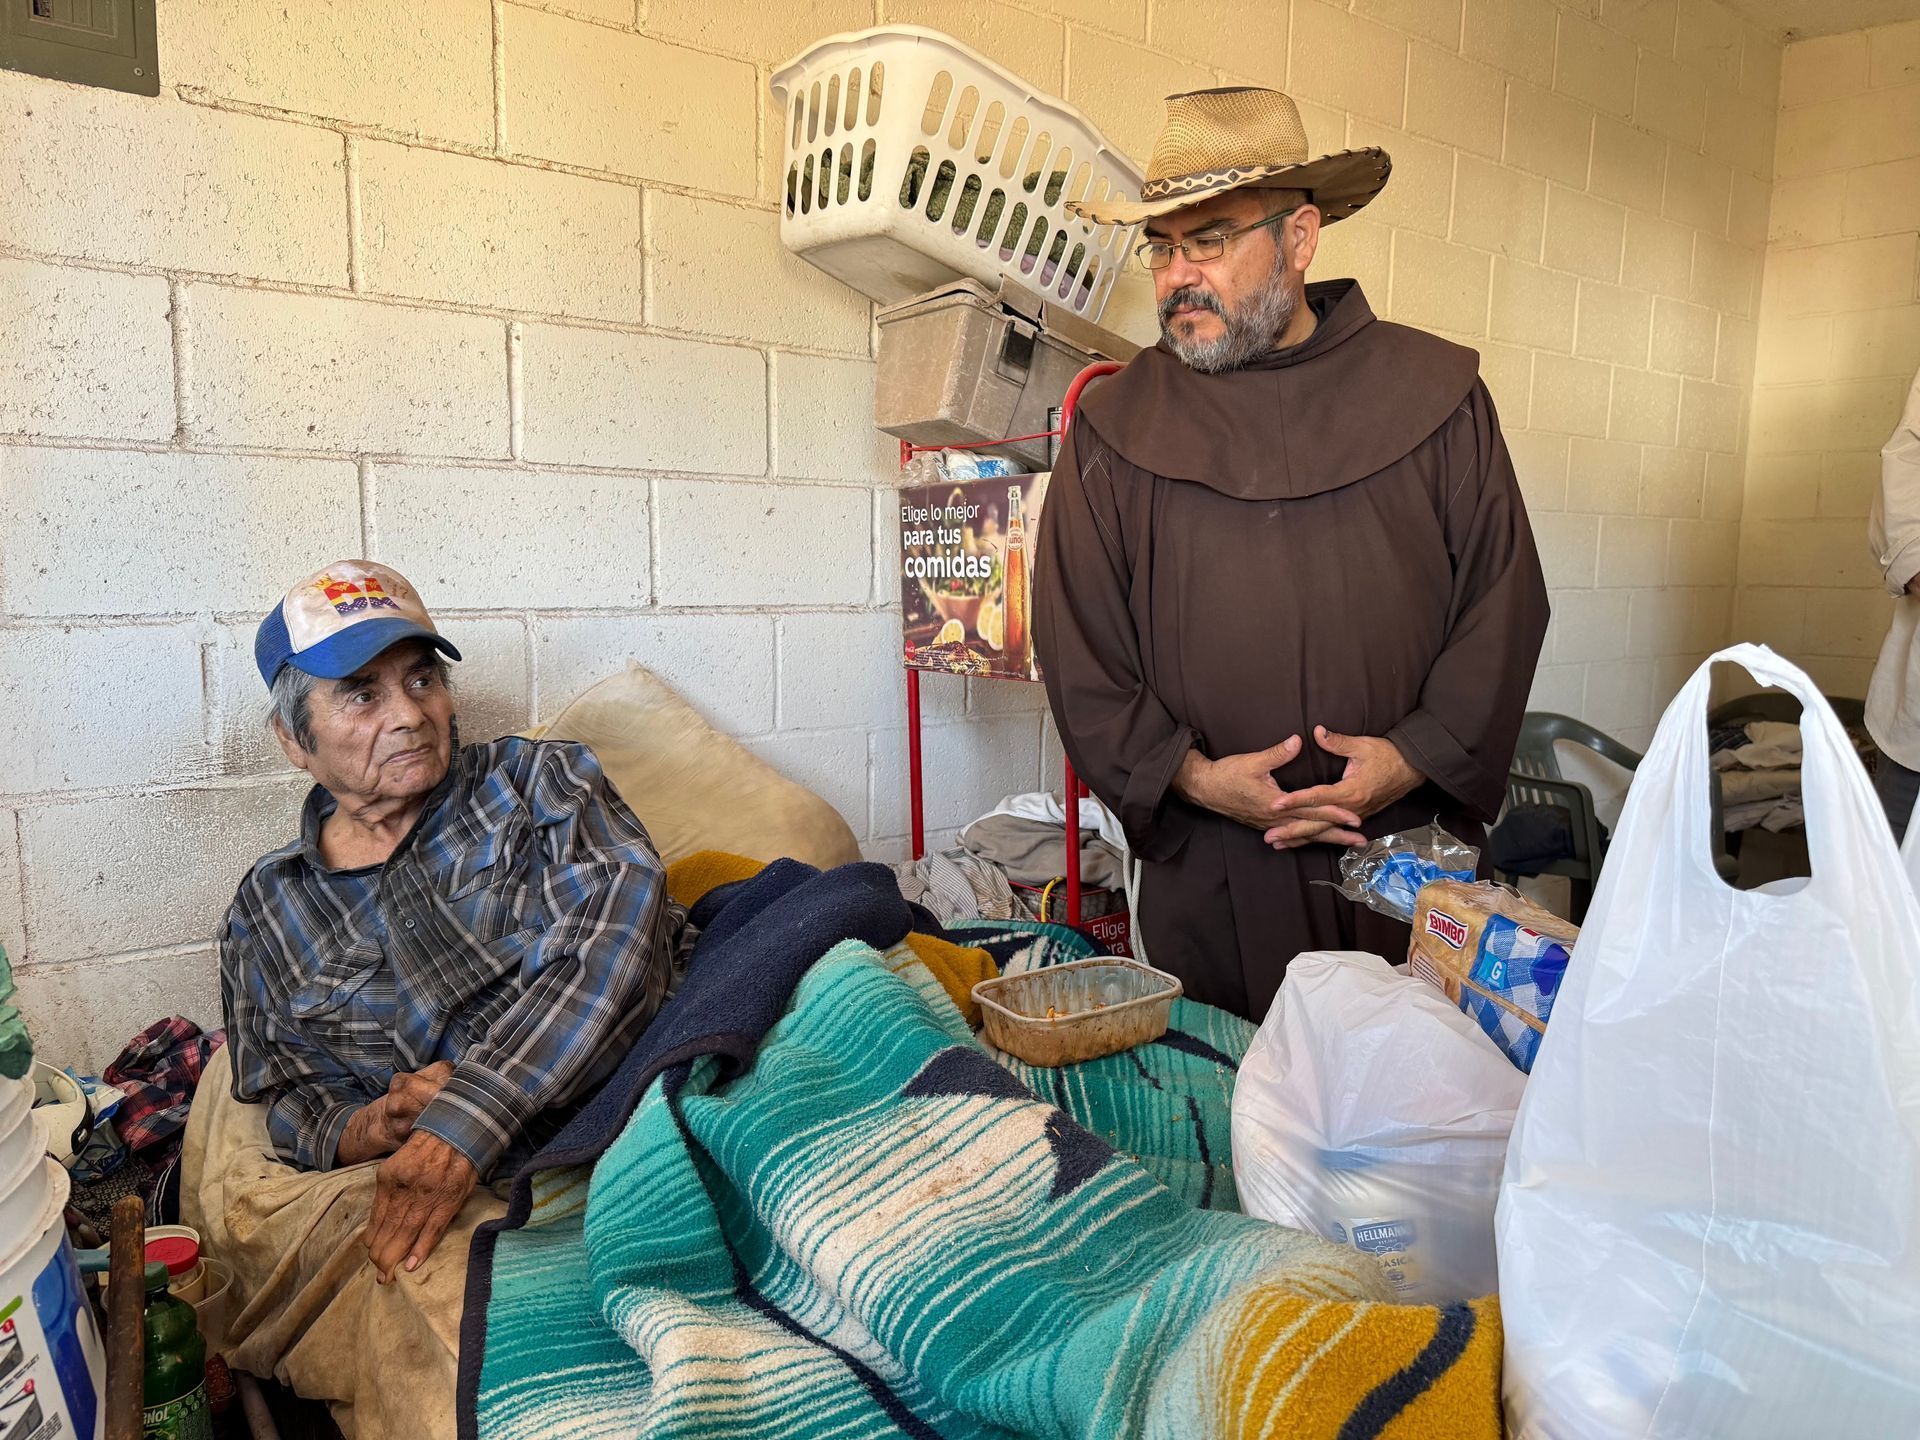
(1220, 140)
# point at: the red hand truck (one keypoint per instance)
(1075, 789)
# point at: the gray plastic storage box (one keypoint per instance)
(968, 363)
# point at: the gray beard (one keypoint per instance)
(1251, 330)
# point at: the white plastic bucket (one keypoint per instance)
(21, 1150)
(23, 1185)
(16, 1098)
(51, 1360)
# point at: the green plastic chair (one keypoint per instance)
(1774, 705)
(1536, 779)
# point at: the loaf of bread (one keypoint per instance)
(1498, 956)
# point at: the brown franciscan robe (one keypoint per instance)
(1333, 536)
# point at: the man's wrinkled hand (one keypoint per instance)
(1242, 788)
(421, 1188)
(409, 1092)
(1377, 774)
(382, 1126)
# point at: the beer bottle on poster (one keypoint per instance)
(1015, 602)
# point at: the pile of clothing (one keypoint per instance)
(1759, 768)
(1007, 860)
(1758, 763)
(136, 1122)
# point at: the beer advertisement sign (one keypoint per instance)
(967, 551)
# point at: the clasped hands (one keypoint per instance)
(423, 1182)
(1242, 788)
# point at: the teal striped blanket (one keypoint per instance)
(1168, 1105)
(878, 1231)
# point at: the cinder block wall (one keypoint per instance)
(491, 290)
(1839, 344)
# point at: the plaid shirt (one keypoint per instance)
(156, 1075)
(521, 931)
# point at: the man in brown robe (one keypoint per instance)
(1287, 596)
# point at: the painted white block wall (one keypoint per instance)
(1839, 345)
(490, 289)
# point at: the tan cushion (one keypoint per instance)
(692, 787)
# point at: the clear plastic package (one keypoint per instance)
(942, 467)
(1386, 874)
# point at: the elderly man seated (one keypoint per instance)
(461, 941)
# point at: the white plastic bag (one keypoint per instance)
(1910, 849)
(1710, 1224)
(1371, 1111)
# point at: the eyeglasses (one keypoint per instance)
(1158, 254)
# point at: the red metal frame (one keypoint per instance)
(1074, 790)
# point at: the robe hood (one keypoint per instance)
(1348, 401)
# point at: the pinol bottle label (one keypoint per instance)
(187, 1418)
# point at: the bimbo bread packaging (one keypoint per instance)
(1498, 956)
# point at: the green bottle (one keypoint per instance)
(174, 1389)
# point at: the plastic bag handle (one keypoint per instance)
(1828, 764)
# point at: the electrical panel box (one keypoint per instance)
(109, 43)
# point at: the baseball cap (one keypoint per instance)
(335, 621)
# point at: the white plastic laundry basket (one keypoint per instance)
(912, 161)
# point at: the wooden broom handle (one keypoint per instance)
(126, 1338)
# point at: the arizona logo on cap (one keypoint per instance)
(333, 622)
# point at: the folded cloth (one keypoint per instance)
(157, 1074)
(1743, 787)
(1756, 757)
(1725, 737)
(1771, 745)
(958, 968)
(1786, 815)
(1773, 815)
(954, 885)
(1032, 852)
(1045, 806)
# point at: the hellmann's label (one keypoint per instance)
(1452, 931)
(1392, 1243)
